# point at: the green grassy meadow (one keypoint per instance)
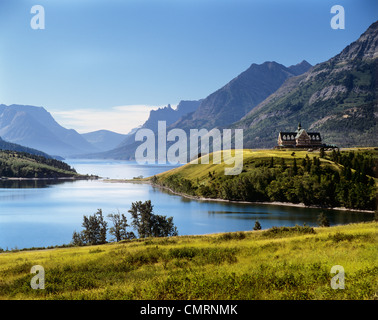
(250, 158)
(278, 263)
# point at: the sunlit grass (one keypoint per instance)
(201, 170)
(244, 265)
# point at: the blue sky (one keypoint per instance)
(105, 64)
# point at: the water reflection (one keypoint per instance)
(26, 184)
(46, 212)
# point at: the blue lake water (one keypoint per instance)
(38, 213)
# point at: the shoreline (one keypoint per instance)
(54, 178)
(275, 203)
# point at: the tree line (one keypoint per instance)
(144, 222)
(26, 165)
(309, 181)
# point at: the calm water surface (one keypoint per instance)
(37, 213)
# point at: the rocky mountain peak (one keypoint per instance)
(366, 47)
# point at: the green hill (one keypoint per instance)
(15, 164)
(335, 179)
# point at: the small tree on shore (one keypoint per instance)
(323, 220)
(148, 224)
(95, 228)
(119, 229)
(257, 225)
(78, 239)
(144, 222)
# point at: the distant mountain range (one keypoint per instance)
(34, 127)
(221, 108)
(104, 139)
(170, 115)
(233, 101)
(338, 98)
(126, 149)
(167, 114)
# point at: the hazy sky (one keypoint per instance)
(105, 64)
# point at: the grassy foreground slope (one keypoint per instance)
(279, 263)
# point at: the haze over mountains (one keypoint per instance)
(338, 98)
(35, 128)
(167, 114)
(104, 139)
(4, 145)
(221, 108)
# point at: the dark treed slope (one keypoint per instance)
(4, 145)
(15, 164)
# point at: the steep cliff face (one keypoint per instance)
(366, 47)
(170, 115)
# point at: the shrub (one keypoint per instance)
(257, 225)
(323, 220)
(339, 236)
(149, 256)
(285, 231)
(205, 255)
(232, 236)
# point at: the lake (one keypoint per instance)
(45, 213)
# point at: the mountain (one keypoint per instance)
(338, 98)
(104, 139)
(234, 100)
(34, 127)
(126, 149)
(167, 114)
(4, 145)
(300, 68)
(170, 115)
(223, 107)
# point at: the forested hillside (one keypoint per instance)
(25, 165)
(327, 179)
